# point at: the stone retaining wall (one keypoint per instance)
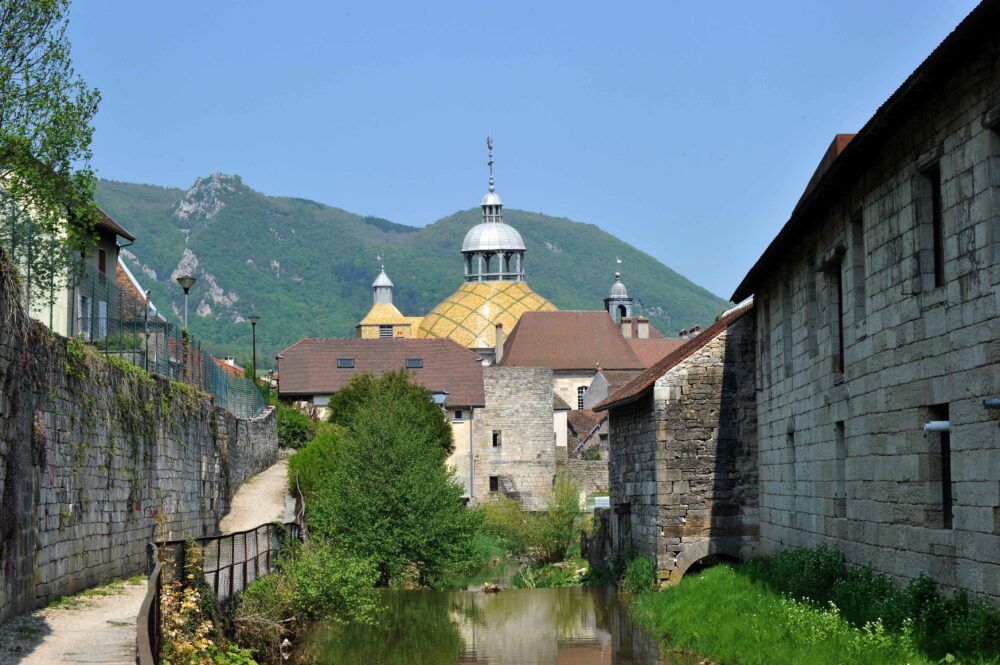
(97, 458)
(591, 474)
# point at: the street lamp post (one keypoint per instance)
(253, 319)
(186, 282)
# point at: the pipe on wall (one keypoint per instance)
(937, 426)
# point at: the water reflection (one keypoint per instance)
(514, 627)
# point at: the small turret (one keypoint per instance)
(382, 286)
(618, 303)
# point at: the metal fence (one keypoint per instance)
(230, 563)
(118, 320)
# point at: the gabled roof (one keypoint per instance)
(309, 367)
(111, 225)
(634, 389)
(583, 422)
(559, 404)
(859, 153)
(649, 351)
(568, 340)
(231, 370)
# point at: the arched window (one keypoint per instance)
(622, 312)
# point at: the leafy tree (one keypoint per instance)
(345, 404)
(390, 498)
(45, 133)
(295, 428)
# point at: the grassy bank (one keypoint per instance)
(806, 606)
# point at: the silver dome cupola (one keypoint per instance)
(494, 251)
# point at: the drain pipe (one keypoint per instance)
(937, 426)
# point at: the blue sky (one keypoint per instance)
(687, 129)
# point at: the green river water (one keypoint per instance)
(576, 626)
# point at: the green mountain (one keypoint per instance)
(307, 268)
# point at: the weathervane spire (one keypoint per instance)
(489, 146)
(618, 271)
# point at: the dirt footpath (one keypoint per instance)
(98, 626)
(264, 498)
(88, 629)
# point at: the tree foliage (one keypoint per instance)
(390, 498)
(46, 111)
(295, 428)
(362, 388)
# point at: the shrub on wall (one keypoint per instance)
(295, 428)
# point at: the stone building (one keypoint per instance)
(514, 438)
(877, 310)
(683, 456)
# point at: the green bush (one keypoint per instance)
(389, 497)
(295, 428)
(938, 625)
(427, 416)
(313, 464)
(314, 582)
(640, 575)
(546, 536)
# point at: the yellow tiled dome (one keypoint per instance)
(470, 315)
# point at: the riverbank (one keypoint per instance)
(807, 606)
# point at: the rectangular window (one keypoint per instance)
(937, 223)
(414, 363)
(457, 416)
(494, 483)
(840, 471)
(790, 457)
(102, 319)
(786, 325)
(345, 363)
(858, 271)
(940, 453)
(102, 262)
(85, 316)
(835, 285)
(497, 438)
(384, 331)
(580, 392)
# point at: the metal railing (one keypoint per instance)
(114, 318)
(230, 563)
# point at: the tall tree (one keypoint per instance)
(47, 214)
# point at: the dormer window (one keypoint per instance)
(345, 363)
(414, 363)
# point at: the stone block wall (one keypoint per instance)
(632, 476)
(591, 474)
(683, 465)
(844, 460)
(97, 459)
(519, 407)
(706, 454)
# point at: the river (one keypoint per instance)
(576, 626)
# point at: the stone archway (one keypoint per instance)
(693, 552)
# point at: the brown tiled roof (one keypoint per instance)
(582, 421)
(649, 351)
(568, 340)
(559, 404)
(310, 366)
(925, 82)
(640, 384)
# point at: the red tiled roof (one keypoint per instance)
(309, 367)
(651, 350)
(568, 339)
(857, 155)
(640, 384)
(231, 370)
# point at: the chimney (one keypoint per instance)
(627, 327)
(498, 353)
(642, 327)
(684, 333)
(230, 360)
(695, 330)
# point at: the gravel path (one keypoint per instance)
(264, 498)
(101, 628)
(95, 629)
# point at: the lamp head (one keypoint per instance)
(186, 282)
(253, 319)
